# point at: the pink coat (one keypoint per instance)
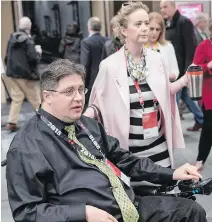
(111, 94)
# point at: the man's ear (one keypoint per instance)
(47, 97)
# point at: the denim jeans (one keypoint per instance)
(192, 106)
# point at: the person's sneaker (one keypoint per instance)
(12, 127)
(199, 165)
(196, 127)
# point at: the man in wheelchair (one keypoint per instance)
(60, 165)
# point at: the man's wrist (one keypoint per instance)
(166, 175)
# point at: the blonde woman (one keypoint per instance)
(114, 44)
(132, 87)
(158, 43)
(134, 94)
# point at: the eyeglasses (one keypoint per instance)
(72, 92)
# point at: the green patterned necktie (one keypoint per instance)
(128, 210)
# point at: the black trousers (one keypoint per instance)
(170, 209)
(205, 142)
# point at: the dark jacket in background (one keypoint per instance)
(21, 57)
(69, 47)
(111, 46)
(182, 36)
(91, 56)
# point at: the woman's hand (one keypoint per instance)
(172, 77)
(186, 78)
(209, 65)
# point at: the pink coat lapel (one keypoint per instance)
(120, 78)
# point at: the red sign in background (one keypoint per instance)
(190, 10)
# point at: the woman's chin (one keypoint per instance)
(143, 40)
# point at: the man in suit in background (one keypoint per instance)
(91, 53)
(180, 32)
(200, 24)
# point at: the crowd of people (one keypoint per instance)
(63, 165)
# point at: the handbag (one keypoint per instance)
(97, 114)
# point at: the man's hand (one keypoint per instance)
(94, 214)
(209, 65)
(186, 172)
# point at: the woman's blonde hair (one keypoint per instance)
(159, 19)
(122, 16)
(113, 25)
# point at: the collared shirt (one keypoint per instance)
(47, 181)
(93, 33)
(168, 23)
(203, 34)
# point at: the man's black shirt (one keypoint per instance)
(47, 181)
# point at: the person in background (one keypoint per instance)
(157, 42)
(35, 33)
(132, 85)
(77, 30)
(180, 32)
(112, 45)
(91, 53)
(83, 186)
(21, 61)
(3, 89)
(203, 57)
(200, 23)
(69, 47)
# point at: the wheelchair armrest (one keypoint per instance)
(148, 189)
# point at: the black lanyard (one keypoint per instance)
(64, 137)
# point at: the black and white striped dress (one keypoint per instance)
(153, 148)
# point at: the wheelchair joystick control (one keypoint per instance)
(187, 189)
(201, 187)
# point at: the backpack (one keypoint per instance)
(72, 49)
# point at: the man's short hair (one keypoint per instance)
(200, 17)
(25, 23)
(94, 24)
(57, 70)
(172, 2)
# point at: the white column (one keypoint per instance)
(20, 9)
(98, 11)
(107, 17)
